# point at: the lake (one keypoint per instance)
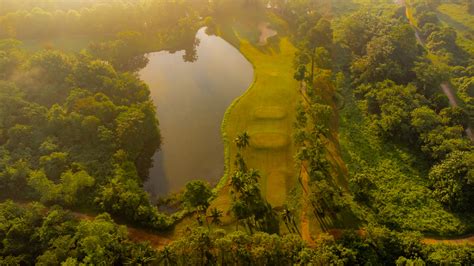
(191, 99)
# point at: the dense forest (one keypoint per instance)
(377, 137)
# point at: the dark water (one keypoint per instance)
(191, 100)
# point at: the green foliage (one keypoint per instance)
(399, 112)
(358, 28)
(315, 38)
(441, 40)
(389, 105)
(36, 19)
(453, 180)
(446, 254)
(133, 122)
(204, 247)
(377, 246)
(54, 164)
(424, 119)
(197, 194)
(465, 88)
(123, 196)
(388, 56)
(125, 53)
(428, 78)
(34, 234)
(64, 192)
(326, 198)
(441, 133)
(13, 178)
(52, 66)
(391, 179)
(62, 120)
(248, 205)
(10, 57)
(242, 140)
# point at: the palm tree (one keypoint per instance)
(242, 140)
(165, 256)
(216, 216)
(237, 181)
(253, 176)
(286, 215)
(142, 255)
(240, 162)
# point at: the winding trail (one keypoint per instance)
(469, 239)
(157, 241)
(445, 86)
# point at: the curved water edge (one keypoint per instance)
(191, 99)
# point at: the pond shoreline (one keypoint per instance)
(192, 97)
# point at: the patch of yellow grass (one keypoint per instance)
(267, 112)
(269, 140)
(276, 187)
(270, 112)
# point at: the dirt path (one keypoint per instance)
(265, 32)
(448, 91)
(469, 239)
(305, 230)
(156, 240)
(445, 86)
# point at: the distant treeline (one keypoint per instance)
(51, 18)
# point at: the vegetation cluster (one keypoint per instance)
(375, 86)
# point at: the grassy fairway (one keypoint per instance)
(266, 111)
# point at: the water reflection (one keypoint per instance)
(192, 92)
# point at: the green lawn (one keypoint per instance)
(267, 112)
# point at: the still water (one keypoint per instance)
(191, 99)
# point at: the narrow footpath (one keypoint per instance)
(445, 86)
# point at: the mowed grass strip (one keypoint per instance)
(270, 112)
(267, 112)
(269, 140)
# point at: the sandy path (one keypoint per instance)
(265, 33)
(454, 241)
(445, 87)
